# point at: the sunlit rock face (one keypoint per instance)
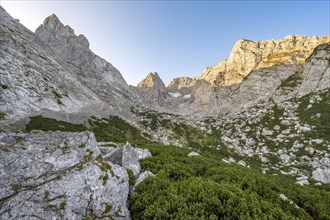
(249, 55)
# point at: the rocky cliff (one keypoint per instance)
(249, 55)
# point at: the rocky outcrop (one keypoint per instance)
(142, 153)
(127, 157)
(59, 175)
(249, 55)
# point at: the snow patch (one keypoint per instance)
(175, 94)
(187, 96)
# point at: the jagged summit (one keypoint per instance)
(53, 27)
(152, 80)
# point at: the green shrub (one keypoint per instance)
(49, 124)
(205, 188)
(115, 129)
(2, 115)
(131, 177)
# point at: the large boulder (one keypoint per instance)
(59, 175)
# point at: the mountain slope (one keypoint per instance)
(53, 70)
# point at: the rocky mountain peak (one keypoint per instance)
(53, 22)
(53, 28)
(152, 80)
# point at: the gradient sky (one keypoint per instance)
(174, 38)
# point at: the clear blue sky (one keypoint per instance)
(174, 38)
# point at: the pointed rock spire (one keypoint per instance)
(152, 80)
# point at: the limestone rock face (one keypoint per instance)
(249, 55)
(31, 78)
(153, 81)
(59, 175)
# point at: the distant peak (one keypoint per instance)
(53, 17)
(152, 80)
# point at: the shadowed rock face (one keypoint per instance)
(54, 69)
